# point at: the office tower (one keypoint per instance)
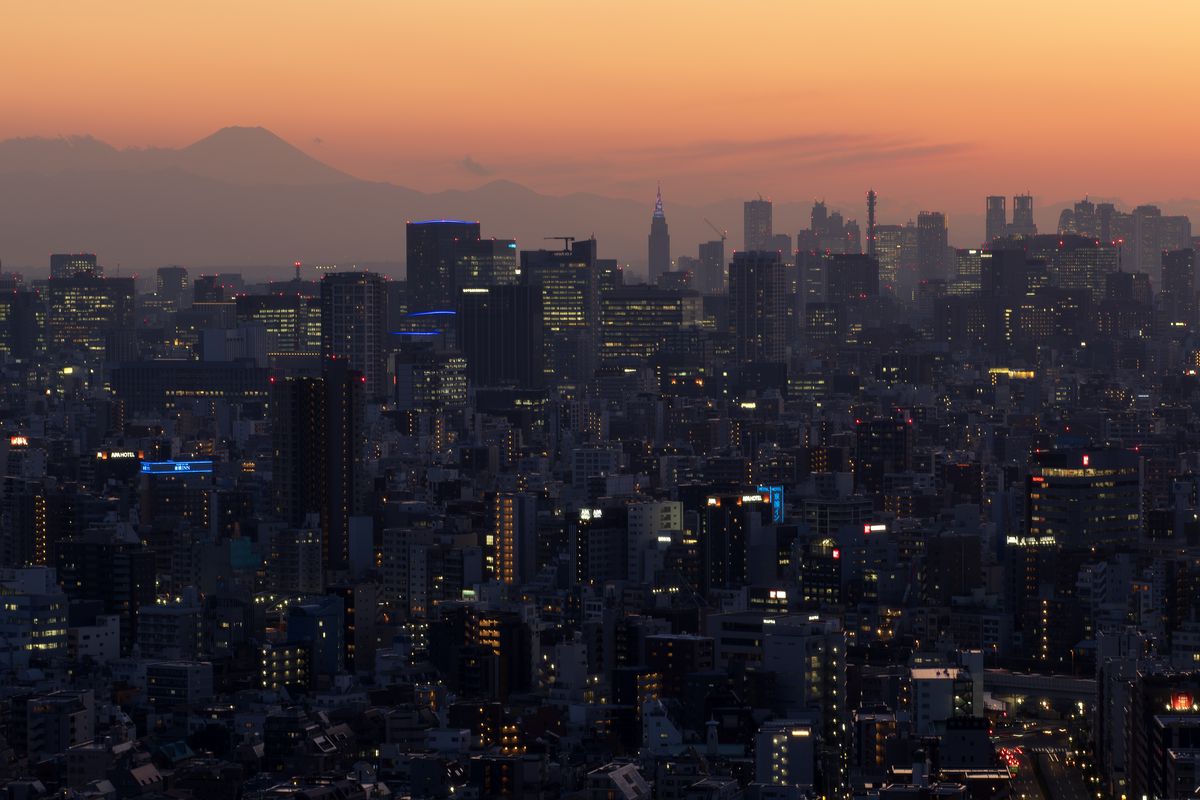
(84, 309)
(758, 306)
(568, 284)
(428, 377)
(850, 277)
(171, 284)
(659, 241)
(1080, 220)
(432, 253)
(318, 442)
(1077, 262)
(22, 320)
(931, 245)
(996, 219)
(967, 266)
(711, 277)
(889, 247)
(70, 265)
(353, 311)
(637, 321)
(1179, 290)
(289, 321)
(1022, 222)
(1145, 246)
(1080, 500)
(871, 223)
(757, 222)
(500, 331)
(1174, 233)
(810, 278)
(483, 262)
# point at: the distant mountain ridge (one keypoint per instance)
(241, 155)
(244, 196)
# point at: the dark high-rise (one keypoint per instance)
(1022, 221)
(171, 283)
(758, 306)
(932, 243)
(1179, 290)
(757, 224)
(996, 220)
(850, 276)
(659, 242)
(711, 279)
(353, 312)
(500, 332)
(432, 254)
(317, 441)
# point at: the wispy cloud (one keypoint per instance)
(474, 167)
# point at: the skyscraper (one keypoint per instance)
(757, 224)
(353, 311)
(84, 309)
(1179, 289)
(931, 245)
(482, 262)
(889, 245)
(568, 283)
(996, 220)
(318, 438)
(431, 261)
(711, 279)
(871, 223)
(660, 241)
(758, 306)
(500, 332)
(171, 283)
(1022, 221)
(68, 265)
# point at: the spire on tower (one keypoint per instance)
(658, 209)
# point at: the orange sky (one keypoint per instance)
(937, 102)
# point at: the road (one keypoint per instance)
(1042, 753)
(1064, 780)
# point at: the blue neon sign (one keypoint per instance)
(176, 467)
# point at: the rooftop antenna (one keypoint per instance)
(566, 240)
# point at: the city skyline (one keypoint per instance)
(927, 130)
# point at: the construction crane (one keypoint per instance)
(721, 233)
(566, 240)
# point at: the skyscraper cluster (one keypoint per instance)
(821, 517)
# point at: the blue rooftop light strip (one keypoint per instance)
(431, 313)
(415, 333)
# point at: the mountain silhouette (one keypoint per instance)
(244, 197)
